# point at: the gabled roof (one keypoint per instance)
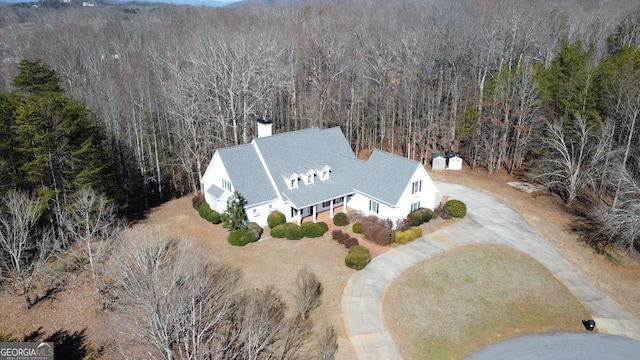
(247, 174)
(255, 168)
(385, 176)
(302, 150)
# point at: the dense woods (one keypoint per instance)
(546, 88)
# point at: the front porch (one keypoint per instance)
(322, 211)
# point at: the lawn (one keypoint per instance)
(460, 301)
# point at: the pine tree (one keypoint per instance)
(235, 215)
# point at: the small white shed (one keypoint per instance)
(454, 161)
(438, 162)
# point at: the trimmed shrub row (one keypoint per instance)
(292, 231)
(208, 214)
(456, 208)
(358, 257)
(420, 216)
(344, 238)
(403, 237)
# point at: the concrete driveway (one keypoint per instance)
(487, 221)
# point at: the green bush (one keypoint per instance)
(403, 237)
(276, 218)
(358, 257)
(241, 237)
(341, 219)
(312, 230)
(456, 208)
(324, 226)
(293, 231)
(208, 214)
(420, 216)
(278, 231)
(357, 228)
(255, 229)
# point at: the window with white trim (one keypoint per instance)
(374, 206)
(416, 186)
(325, 175)
(309, 179)
(415, 206)
(293, 184)
(326, 204)
(226, 184)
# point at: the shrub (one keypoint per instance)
(324, 226)
(255, 229)
(403, 237)
(357, 228)
(278, 231)
(341, 219)
(358, 257)
(403, 224)
(293, 231)
(241, 237)
(276, 218)
(355, 215)
(377, 230)
(456, 208)
(196, 201)
(335, 234)
(420, 216)
(343, 237)
(312, 230)
(208, 214)
(351, 242)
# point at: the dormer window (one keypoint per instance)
(325, 175)
(293, 184)
(310, 179)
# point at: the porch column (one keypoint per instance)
(331, 210)
(344, 204)
(314, 212)
(299, 216)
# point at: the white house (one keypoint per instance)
(305, 172)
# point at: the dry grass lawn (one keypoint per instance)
(469, 297)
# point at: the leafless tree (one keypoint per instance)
(327, 343)
(574, 161)
(25, 245)
(89, 222)
(308, 292)
(166, 300)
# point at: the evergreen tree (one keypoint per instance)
(569, 85)
(235, 215)
(58, 147)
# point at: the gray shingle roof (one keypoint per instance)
(302, 150)
(386, 176)
(383, 177)
(247, 174)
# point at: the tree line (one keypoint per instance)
(493, 81)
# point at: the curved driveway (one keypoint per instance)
(487, 221)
